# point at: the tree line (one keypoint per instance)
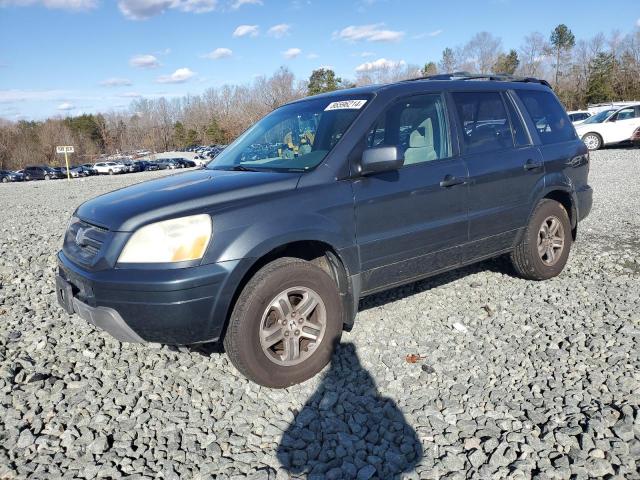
(604, 68)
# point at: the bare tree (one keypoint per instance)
(482, 51)
(532, 55)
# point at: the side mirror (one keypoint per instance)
(612, 119)
(380, 159)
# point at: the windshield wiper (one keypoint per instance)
(242, 168)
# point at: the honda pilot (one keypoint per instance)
(324, 201)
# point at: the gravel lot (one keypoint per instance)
(519, 379)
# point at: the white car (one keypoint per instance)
(609, 127)
(109, 168)
(578, 116)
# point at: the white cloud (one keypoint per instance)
(291, 53)
(380, 64)
(56, 4)
(434, 33)
(638, 22)
(130, 95)
(144, 61)
(246, 30)
(238, 3)
(279, 31)
(370, 33)
(312, 56)
(219, 53)
(116, 82)
(367, 54)
(143, 9)
(181, 75)
(14, 95)
(66, 106)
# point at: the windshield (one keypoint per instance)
(294, 138)
(600, 117)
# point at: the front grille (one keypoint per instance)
(84, 241)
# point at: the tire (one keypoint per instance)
(253, 314)
(5, 180)
(110, 172)
(47, 177)
(532, 258)
(592, 140)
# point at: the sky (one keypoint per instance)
(67, 57)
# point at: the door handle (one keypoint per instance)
(451, 181)
(531, 165)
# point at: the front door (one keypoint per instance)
(621, 125)
(411, 222)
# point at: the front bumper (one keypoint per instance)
(173, 306)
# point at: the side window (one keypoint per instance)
(626, 114)
(417, 125)
(549, 117)
(520, 134)
(485, 126)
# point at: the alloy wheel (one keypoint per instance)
(292, 326)
(551, 239)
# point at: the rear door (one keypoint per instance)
(411, 221)
(504, 166)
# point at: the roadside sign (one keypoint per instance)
(66, 149)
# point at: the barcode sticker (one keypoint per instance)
(346, 105)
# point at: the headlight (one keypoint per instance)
(175, 240)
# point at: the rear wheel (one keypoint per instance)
(285, 323)
(47, 177)
(110, 172)
(592, 140)
(5, 180)
(544, 249)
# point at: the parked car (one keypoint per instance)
(578, 116)
(201, 161)
(185, 163)
(42, 172)
(609, 127)
(146, 166)
(7, 176)
(168, 163)
(89, 168)
(130, 165)
(109, 168)
(271, 255)
(82, 171)
(72, 172)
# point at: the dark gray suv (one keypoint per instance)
(326, 200)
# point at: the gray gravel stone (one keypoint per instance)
(542, 380)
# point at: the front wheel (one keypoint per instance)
(285, 323)
(593, 141)
(47, 177)
(544, 249)
(5, 180)
(110, 172)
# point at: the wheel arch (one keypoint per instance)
(567, 200)
(320, 252)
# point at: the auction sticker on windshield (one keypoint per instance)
(346, 105)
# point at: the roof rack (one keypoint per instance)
(496, 77)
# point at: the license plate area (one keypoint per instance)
(64, 292)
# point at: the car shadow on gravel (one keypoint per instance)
(348, 430)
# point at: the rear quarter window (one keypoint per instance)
(550, 119)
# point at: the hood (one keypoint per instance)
(187, 193)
